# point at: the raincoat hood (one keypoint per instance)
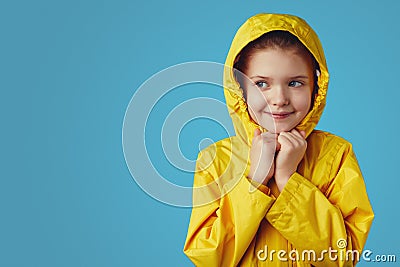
(253, 28)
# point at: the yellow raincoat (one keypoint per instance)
(324, 206)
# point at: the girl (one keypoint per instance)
(279, 193)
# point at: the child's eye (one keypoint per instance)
(261, 84)
(295, 84)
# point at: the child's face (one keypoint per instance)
(279, 93)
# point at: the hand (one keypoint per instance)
(262, 154)
(292, 148)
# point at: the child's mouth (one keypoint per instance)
(280, 115)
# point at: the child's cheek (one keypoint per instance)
(256, 101)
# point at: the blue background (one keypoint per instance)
(68, 70)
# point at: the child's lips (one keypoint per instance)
(279, 115)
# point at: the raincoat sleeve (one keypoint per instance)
(221, 230)
(338, 220)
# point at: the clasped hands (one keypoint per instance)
(276, 155)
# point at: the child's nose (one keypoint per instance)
(278, 96)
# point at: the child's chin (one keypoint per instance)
(278, 130)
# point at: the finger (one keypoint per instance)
(299, 134)
(295, 139)
(284, 140)
(270, 138)
(289, 135)
(269, 135)
(257, 132)
(278, 146)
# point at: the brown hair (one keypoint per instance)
(274, 39)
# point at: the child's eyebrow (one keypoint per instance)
(299, 77)
(292, 77)
(259, 76)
